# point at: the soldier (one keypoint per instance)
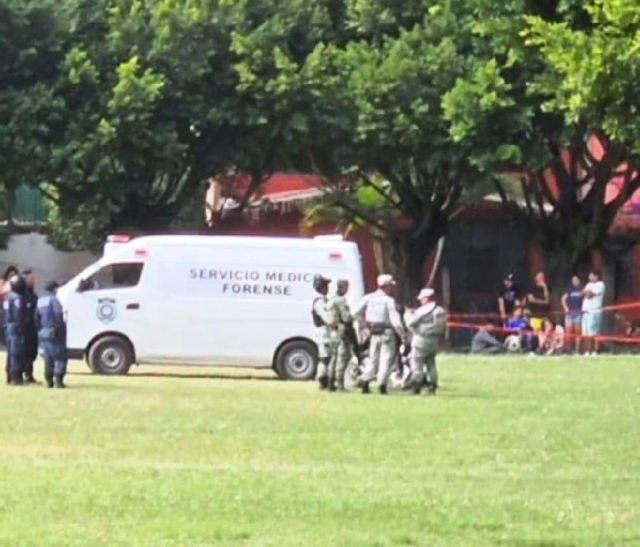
(13, 306)
(427, 324)
(31, 332)
(342, 337)
(383, 322)
(323, 319)
(49, 319)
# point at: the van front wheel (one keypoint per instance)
(296, 361)
(111, 355)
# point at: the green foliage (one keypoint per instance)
(594, 72)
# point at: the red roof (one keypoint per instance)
(278, 185)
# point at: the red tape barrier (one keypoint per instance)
(616, 307)
(567, 336)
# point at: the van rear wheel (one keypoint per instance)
(297, 360)
(111, 355)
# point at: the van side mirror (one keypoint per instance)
(84, 285)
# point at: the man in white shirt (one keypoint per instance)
(592, 312)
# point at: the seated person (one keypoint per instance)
(517, 321)
(551, 338)
(483, 343)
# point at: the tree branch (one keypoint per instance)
(358, 213)
(369, 182)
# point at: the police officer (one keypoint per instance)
(381, 318)
(31, 331)
(341, 336)
(49, 319)
(323, 319)
(14, 312)
(427, 324)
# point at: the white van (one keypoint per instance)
(225, 300)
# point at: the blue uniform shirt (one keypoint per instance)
(13, 306)
(49, 316)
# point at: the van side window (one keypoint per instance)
(116, 276)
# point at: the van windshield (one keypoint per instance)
(116, 276)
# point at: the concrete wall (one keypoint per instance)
(33, 251)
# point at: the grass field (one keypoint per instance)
(523, 453)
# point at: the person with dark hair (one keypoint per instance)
(49, 319)
(592, 312)
(539, 301)
(342, 336)
(508, 297)
(572, 301)
(13, 306)
(31, 331)
(5, 289)
(323, 321)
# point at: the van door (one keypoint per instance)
(108, 301)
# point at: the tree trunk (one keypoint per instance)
(411, 255)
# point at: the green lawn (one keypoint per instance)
(524, 453)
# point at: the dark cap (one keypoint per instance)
(52, 286)
(320, 282)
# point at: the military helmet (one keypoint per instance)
(342, 286)
(320, 282)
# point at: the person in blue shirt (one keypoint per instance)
(520, 324)
(52, 336)
(13, 306)
(517, 321)
(572, 305)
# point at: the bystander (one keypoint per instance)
(593, 293)
(539, 301)
(572, 305)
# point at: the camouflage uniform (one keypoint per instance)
(340, 352)
(324, 320)
(427, 325)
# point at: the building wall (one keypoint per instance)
(33, 251)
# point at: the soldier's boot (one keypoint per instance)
(416, 388)
(29, 379)
(383, 390)
(340, 384)
(58, 381)
(331, 384)
(365, 388)
(48, 378)
(431, 390)
(323, 383)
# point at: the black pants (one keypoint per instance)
(30, 352)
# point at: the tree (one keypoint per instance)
(372, 114)
(589, 80)
(135, 110)
(566, 160)
(31, 44)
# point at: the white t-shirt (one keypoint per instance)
(595, 303)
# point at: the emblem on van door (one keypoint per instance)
(106, 309)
